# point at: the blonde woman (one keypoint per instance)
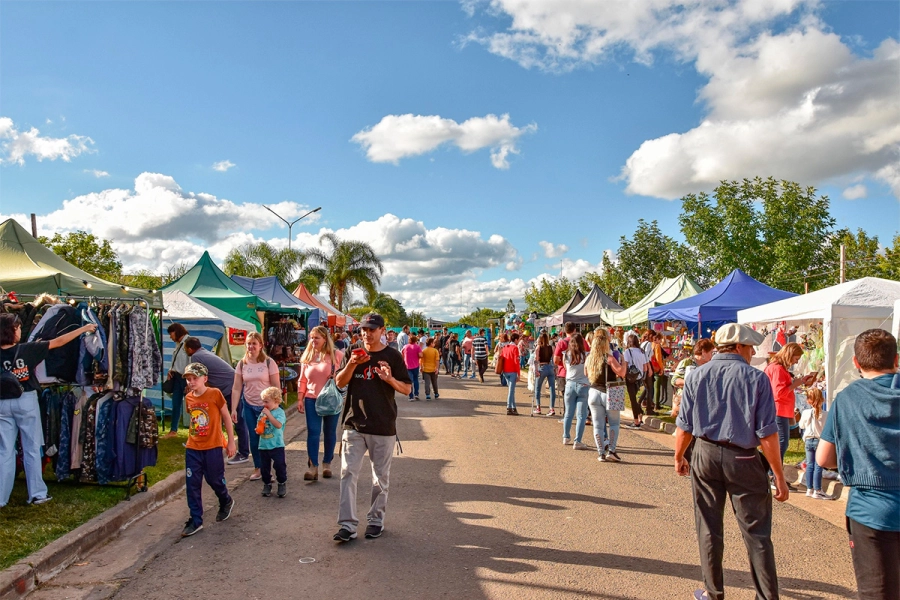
(254, 373)
(317, 365)
(602, 368)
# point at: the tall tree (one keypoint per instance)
(345, 264)
(861, 253)
(645, 258)
(481, 317)
(388, 307)
(889, 266)
(548, 295)
(775, 231)
(609, 279)
(87, 252)
(261, 259)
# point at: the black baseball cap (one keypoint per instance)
(372, 321)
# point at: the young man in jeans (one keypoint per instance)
(370, 424)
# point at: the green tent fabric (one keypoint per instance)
(207, 282)
(666, 291)
(30, 268)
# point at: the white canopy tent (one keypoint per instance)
(845, 311)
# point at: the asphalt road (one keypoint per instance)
(482, 505)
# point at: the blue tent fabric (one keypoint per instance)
(721, 302)
(269, 288)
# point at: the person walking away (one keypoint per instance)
(445, 351)
(602, 368)
(861, 439)
(480, 354)
(468, 361)
(20, 414)
(647, 348)
(576, 394)
(783, 386)
(318, 364)
(561, 345)
(254, 373)
(403, 337)
(509, 354)
(203, 451)
(370, 425)
(412, 353)
(546, 371)
(660, 379)
(635, 378)
(270, 429)
(429, 364)
(728, 407)
(180, 359)
(455, 355)
(812, 422)
(702, 354)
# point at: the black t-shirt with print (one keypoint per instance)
(22, 359)
(370, 406)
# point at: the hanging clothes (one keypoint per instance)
(76, 450)
(64, 458)
(105, 454)
(145, 360)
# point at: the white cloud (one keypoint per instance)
(553, 251)
(401, 136)
(223, 165)
(97, 173)
(15, 145)
(795, 104)
(855, 192)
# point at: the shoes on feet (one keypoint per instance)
(267, 490)
(810, 492)
(411, 399)
(237, 459)
(579, 446)
(700, 595)
(472, 377)
(344, 535)
(39, 501)
(551, 413)
(428, 396)
(566, 441)
(436, 396)
(509, 412)
(255, 477)
(190, 529)
(602, 457)
(515, 412)
(374, 531)
(171, 434)
(282, 489)
(225, 511)
(820, 495)
(536, 411)
(313, 473)
(326, 470)
(612, 457)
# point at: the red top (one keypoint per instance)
(781, 382)
(510, 354)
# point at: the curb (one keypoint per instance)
(24, 577)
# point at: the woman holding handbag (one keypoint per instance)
(317, 366)
(606, 398)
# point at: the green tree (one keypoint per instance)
(87, 252)
(510, 306)
(261, 259)
(388, 307)
(889, 266)
(416, 318)
(147, 279)
(344, 264)
(609, 279)
(548, 295)
(644, 259)
(775, 231)
(481, 317)
(860, 251)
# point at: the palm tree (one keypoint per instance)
(348, 264)
(388, 307)
(263, 260)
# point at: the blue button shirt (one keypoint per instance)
(727, 400)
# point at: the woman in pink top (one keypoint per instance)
(317, 365)
(412, 352)
(254, 373)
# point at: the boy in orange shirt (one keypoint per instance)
(203, 454)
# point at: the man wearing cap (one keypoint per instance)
(372, 378)
(728, 406)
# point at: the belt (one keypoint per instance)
(728, 445)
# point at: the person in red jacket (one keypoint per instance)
(510, 356)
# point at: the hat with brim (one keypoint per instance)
(196, 369)
(732, 333)
(371, 321)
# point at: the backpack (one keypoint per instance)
(634, 375)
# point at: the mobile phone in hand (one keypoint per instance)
(360, 353)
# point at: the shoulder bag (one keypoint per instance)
(615, 391)
(329, 401)
(498, 368)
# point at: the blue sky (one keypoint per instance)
(392, 117)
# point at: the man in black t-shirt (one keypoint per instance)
(371, 377)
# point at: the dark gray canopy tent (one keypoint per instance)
(591, 309)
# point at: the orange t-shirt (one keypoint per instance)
(206, 419)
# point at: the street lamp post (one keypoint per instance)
(292, 223)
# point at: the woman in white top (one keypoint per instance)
(812, 421)
(254, 373)
(635, 357)
(577, 388)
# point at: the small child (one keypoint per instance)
(812, 421)
(203, 454)
(270, 428)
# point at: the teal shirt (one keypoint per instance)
(273, 437)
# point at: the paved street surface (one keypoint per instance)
(482, 505)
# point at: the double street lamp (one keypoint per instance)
(291, 224)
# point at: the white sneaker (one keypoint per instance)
(602, 458)
(579, 446)
(810, 492)
(820, 495)
(566, 441)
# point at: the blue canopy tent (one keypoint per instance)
(720, 303)
(269, 288)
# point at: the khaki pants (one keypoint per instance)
(354, 446)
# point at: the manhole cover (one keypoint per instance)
(307, 560)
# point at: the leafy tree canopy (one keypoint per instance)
(548, 295)
(87, 252)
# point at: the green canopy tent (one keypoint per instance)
(30, 268)
(666, 291)
(207, 282)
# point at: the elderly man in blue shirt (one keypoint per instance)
(729, 407)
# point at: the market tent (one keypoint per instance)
(269, 288)
(335, 317)
(666, 291)
(720, 303)
(555, 318)
(30, 268)
(209, 283)
(591, 309)
(845, 311)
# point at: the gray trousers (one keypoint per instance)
(718, 472)
(431, 381)
(354, 446)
